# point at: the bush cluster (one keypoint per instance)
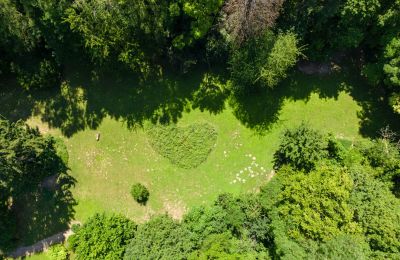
(140, 193)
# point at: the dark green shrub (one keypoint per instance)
(102, 237)
(140, 193)
(300, 148)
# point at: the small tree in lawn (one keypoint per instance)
(140, 193)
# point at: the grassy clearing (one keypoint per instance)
(105, 170)
(239, 161)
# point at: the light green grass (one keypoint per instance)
(105, 170)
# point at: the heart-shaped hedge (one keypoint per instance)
(187, 146)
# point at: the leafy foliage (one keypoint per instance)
(377, 210)
(200, 21)
(140, 193)
(224, 246)
(17, 32)
(315, 205)
(283, 56)
(58, 252)
(186, 147)
(46, 75)
(394, 102)
(61, 149)
(344, 247)
(26, 158)
(265, 60)
(392, 67)
(102, 237)
(302, 148)
(160, 238)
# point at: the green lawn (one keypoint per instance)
(248, 131)
(105, 170)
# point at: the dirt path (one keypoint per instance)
(314, 68)
(42, 245)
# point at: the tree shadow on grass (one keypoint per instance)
(260, 108)
(44, 211)
(89, 95)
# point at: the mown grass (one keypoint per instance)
(105, 170)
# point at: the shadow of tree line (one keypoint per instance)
(89, 95)
(260, 109)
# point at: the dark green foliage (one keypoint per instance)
(204, 221)
(239, 223)
(140, 193)
(242, 216)
(45, 74)
(17, 32)
(49, 19)
(160, 238)
(384, 156)
(245, 63)
(121, 30)
(186, 147)
(314, 205)
(225, 246)
(264, 60)
(340, 209)
(211, 95)
(26, 158)
(102, 237)
(61, 149)
(245, 216)
(392, 66)
(344, 247)
(377, 211)
(301, 148)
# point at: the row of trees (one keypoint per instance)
(369, 27)
(328, 200)
(38, 36)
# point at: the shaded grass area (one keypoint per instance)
(186, 147)
(90, 95)
(248, 126)
(261, 109)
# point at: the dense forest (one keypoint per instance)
(329, 198)
(259, 40)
